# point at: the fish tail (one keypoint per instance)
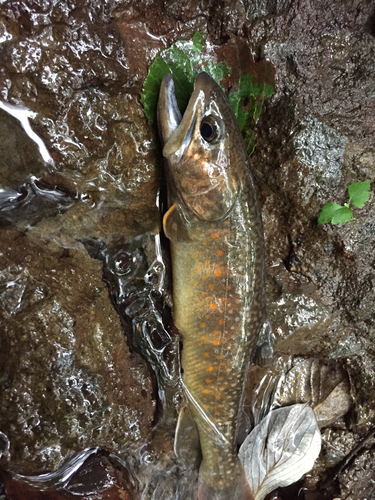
(236, 487)
(237, 492)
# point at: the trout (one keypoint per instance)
(216, 237)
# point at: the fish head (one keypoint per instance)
(203, 149)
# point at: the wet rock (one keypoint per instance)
(357, 482)
(324, 385)
(316, 66)
(73, 76)
(91, 474)
(80, 68)
(336, 445)
(67, 379)
(19, 155)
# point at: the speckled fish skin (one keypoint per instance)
(214, 224)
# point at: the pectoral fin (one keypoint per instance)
(174, 225)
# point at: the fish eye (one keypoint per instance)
(209, 129)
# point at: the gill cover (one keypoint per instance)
(201, 166)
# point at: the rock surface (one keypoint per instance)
(67, 377)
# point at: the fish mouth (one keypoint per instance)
(176, 130)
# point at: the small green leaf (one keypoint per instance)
(198, 40)
(344, 214)
(327, 212)
(332, 212)
(359, 193)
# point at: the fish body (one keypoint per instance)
(215, 230)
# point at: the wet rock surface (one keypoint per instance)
(68, 380)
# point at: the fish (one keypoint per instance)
(215, 230)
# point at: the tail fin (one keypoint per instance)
(230, 483)
(235, 492)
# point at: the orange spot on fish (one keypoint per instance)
(218, 397)
(221, 378)
(210, 368)
(198, 344)
(203, 294)
(226, 222)
(217, 413)
(219, 356)
(199, 252)
(216, 332)
(208, 381)
(218, 273)
(213, 305)
(204, 277)
(211, 286)
(206, 316)
(222, 364)
(219, 253)
(207, 407)
(204, 242)
(207, 262)
(206, 354)
(214, 235)
(227, 287)
(203, 325)
(203, 337)
(223, 299)
(198, 268)
(196, 283)
(216, 342)
(221, 321)
(206, 391)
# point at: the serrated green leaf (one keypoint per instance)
(247, 105)
(344, 214)
(359, 193)
(184, 60)
(151, 87)
(198, 40)
(336, 214)
(328, 212)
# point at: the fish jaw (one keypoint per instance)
(197, 169)
(169, 116)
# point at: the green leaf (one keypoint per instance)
(327, 212)
(151, 87)
(184, 60)
(359, 193)
(344, 214)
(332, 212)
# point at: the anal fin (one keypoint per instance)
(187, 443)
